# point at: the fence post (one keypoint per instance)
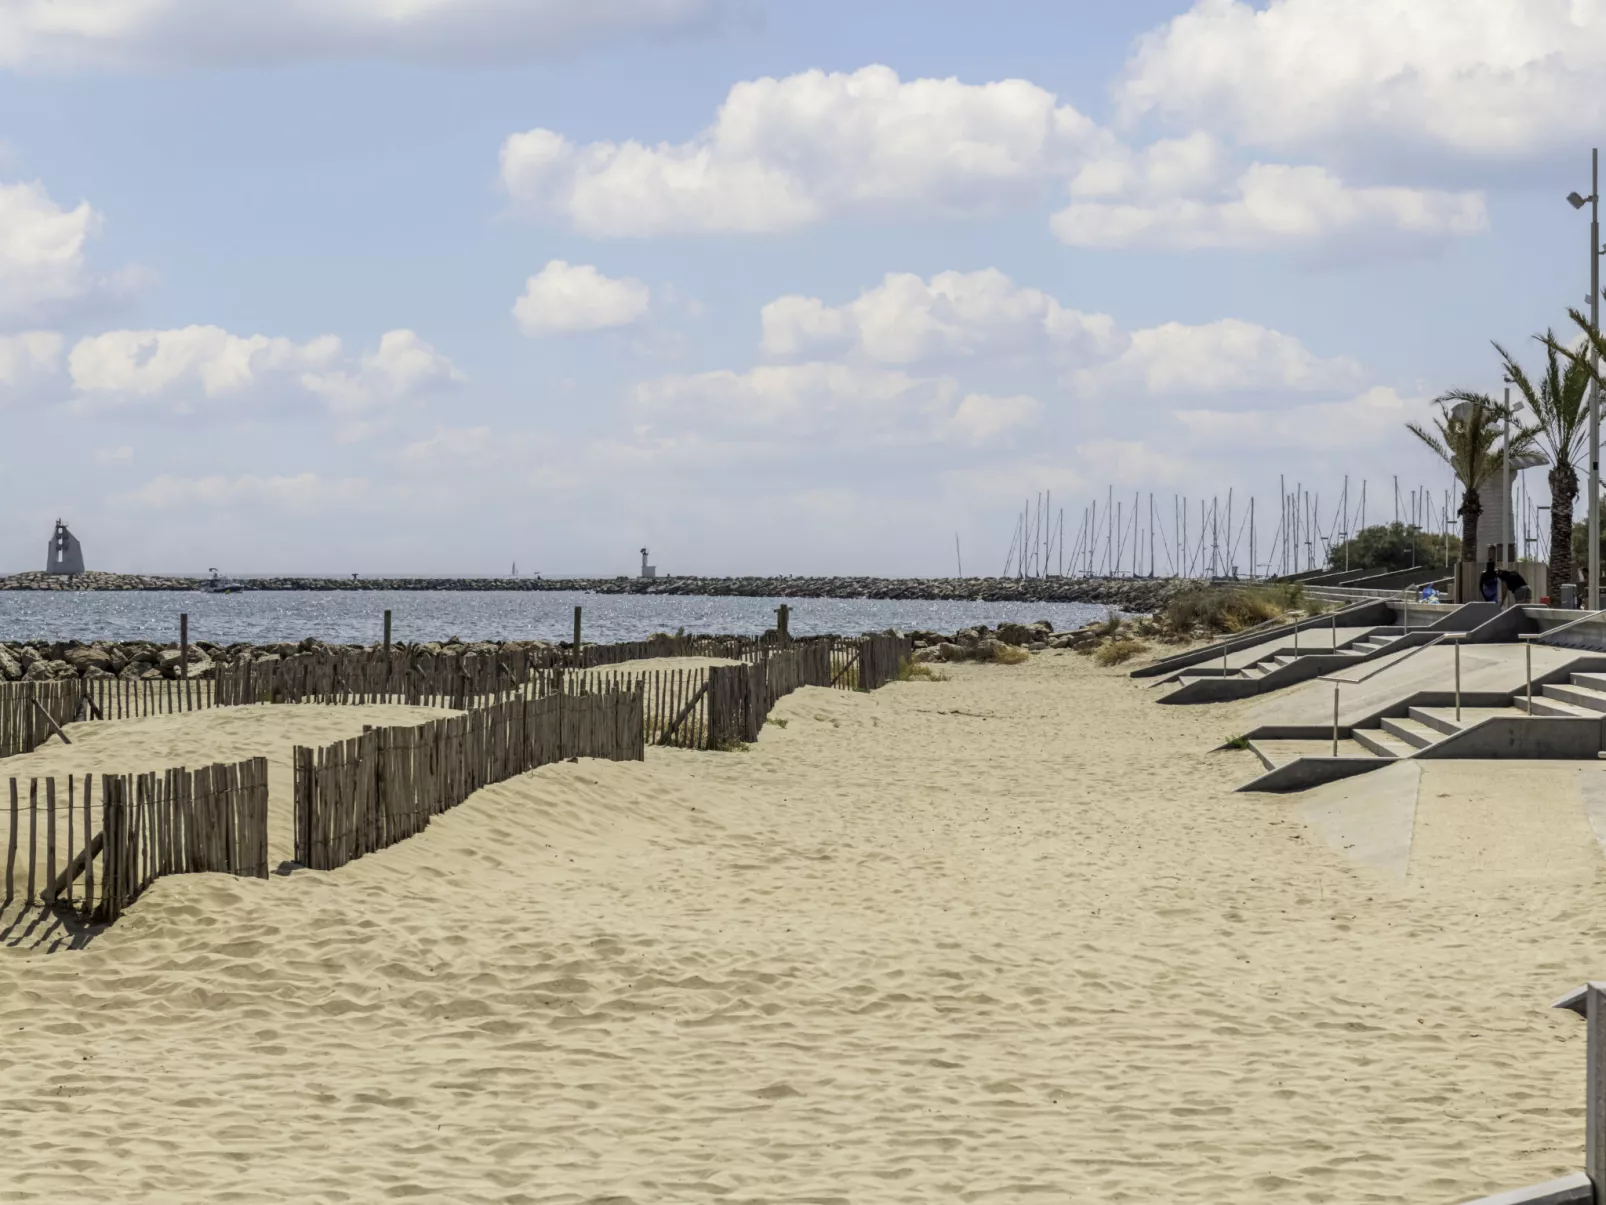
(387, 638)
(578, 664)
(1335, 719)
(184, 645)
(783, 615)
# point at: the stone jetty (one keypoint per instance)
(1126, 594)
(42, 660)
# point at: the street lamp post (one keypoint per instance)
(1577, 202)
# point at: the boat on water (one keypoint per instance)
(220, 585)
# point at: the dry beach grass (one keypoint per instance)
(1001, 937)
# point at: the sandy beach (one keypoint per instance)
(1008, 936)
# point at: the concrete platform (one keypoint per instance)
(1490, 668)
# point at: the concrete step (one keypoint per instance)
(1382, 744)
(1593, 681)
(1578, 696)
(1413, 732)
(1275, 753)
(1443, 721)
(1253, 671)
(1544, 706)
(1282, 659)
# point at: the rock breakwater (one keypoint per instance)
(1126, 594)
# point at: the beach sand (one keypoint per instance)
(1006, 937)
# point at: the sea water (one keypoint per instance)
(357, 616)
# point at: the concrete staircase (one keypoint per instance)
(1583, 694)
(1567, 721)
(1287, 666)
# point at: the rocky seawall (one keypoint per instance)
(1126, 594)
(39, 660)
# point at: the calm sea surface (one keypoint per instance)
(357, 616)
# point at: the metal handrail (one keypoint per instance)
(1390, 665)
(1454, 637)
(1571, 623)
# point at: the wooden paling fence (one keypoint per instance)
(363, 794)
(129, 698)
(93, 843)
(29, 709)
(716, 707)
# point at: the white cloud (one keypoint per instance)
(785, 153)
(118, 455)
(28, 357)
(906, 320)
(41, 251)
(177, 367)
(69, 33)
(1492, 79)
(205, 358)
(1217, 357)
(1378, 415)
(304, 493)
(563, 298)
(1270, 206)
(838, 402)
(404, 366)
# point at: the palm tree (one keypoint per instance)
(1560, 404)
(1465, 439)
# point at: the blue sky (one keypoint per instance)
(436, 286)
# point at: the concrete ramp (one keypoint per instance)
(1369, 820)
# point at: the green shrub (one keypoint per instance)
(1227, 609)
(1119, 652)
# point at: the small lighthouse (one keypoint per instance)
(65, 554)
(648, 572)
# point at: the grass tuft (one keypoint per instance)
(919, 671)
(1238, 742)
(1224, 610)
(1119, 652)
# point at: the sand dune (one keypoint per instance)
(990, 939)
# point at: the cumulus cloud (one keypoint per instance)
(564, 298)
(1229, 355)
(28, 357)
(840, 402)
(305, 493)
(1481, 79)
(785, 153)
(974, 317)
(42, 263)
(906, 320)
(186, 367)
(1271, 206)
(73, 33)
(1365, 420)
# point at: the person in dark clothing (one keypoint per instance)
(1489, 584)
(1516, 585)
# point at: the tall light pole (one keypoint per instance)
(1577, 202)
(1505, 486)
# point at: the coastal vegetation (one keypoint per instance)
(1465, 435)
(1388, 546)
(1560, 403)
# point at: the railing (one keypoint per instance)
(1585, 1187)
(1453, 637)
